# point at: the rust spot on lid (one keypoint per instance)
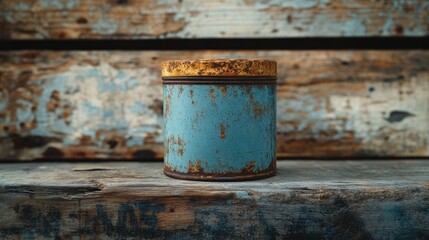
(219, 67)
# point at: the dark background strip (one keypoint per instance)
(322, 43)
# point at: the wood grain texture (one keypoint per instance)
(104, 105)
(306, 200)
(131, 19)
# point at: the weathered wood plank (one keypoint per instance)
(101, 19)
(109, 104)
(307, 199)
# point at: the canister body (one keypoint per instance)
(219, 130)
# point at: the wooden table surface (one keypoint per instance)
(363, 199)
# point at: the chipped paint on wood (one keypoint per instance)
(135, 200)
(93, 105)
(371, 102)
(109, 104)
(100, 19)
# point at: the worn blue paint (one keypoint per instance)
(303, 4)
(314, 110)
(140, 108)
(59, 4)
(22, 6)
(219, 129)
(105, 26)
(51, 4)
(242, 195)
(70, 4)
(353, 26)
(91, 108)
(24, 113)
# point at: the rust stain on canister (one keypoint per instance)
(223, 89)
(222, 131)
(196, 168)
(258, 110)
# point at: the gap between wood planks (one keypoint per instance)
(298, 43)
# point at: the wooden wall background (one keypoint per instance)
(103, 104)
(107, 19)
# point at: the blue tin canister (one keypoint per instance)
(219, 119)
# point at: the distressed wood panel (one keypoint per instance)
(107, 19)
(109, 104)
(306, 200)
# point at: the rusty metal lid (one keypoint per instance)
(219, 68)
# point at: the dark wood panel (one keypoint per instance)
(105, 19)
(306, 200)
(104, 105)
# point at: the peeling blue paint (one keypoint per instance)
(63, 129)
(140, 109)
(306, 104)
(108, 84)
(24, 113)
(91, 72)
(354, 26)
(59, 4)
(105, 26)
(89, 107)
(52, 123)
(302, 4)
(108, 113)
(104, 86)
(132, 83)
(134, 141)
(121, 75)
(388, 25)
(70, 4)
(242, 195)
(92, 114)
(22, 7)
